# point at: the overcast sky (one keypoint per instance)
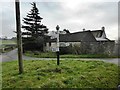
(73, 16)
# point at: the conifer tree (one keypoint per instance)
(34, 32)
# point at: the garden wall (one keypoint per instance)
(89, 48)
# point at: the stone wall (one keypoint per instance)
(86, 47)
(97, 47)
(116, 50)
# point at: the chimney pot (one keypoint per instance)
(103, 28)
(83, 29)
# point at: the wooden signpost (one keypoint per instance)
(19, 40)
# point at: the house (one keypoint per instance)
(91, 37)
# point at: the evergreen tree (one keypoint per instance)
(66, 30)
(33, 26)
(34, 31)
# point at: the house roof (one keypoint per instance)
(85, 36)
(97, 33)
(102, 39)
(82, 36)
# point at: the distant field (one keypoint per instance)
(7, 45)
(8, 41)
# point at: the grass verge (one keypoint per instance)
(70, 74)
(53, 55)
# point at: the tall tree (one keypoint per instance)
(34, 31)
(66, 30)
(33, 26)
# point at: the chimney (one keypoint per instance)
(103, 28)
(83, 29)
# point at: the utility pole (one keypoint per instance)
(19, 39)
(57, 51)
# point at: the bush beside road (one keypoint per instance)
(53, 55)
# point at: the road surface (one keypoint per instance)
(12, 55)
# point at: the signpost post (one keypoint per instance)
(57, 50)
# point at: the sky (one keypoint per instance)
(72, 15)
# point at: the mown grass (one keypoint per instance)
(69, 74)
(53, 55)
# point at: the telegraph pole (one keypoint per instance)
(57, 51)
(19, 39)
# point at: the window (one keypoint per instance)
(49, 43)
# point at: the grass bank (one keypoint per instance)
(70, 74)
(53, 55)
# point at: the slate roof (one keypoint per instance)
(102, 39)
(85, 36)
(82, 36)
(97, 33)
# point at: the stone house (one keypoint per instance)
(88, 38)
